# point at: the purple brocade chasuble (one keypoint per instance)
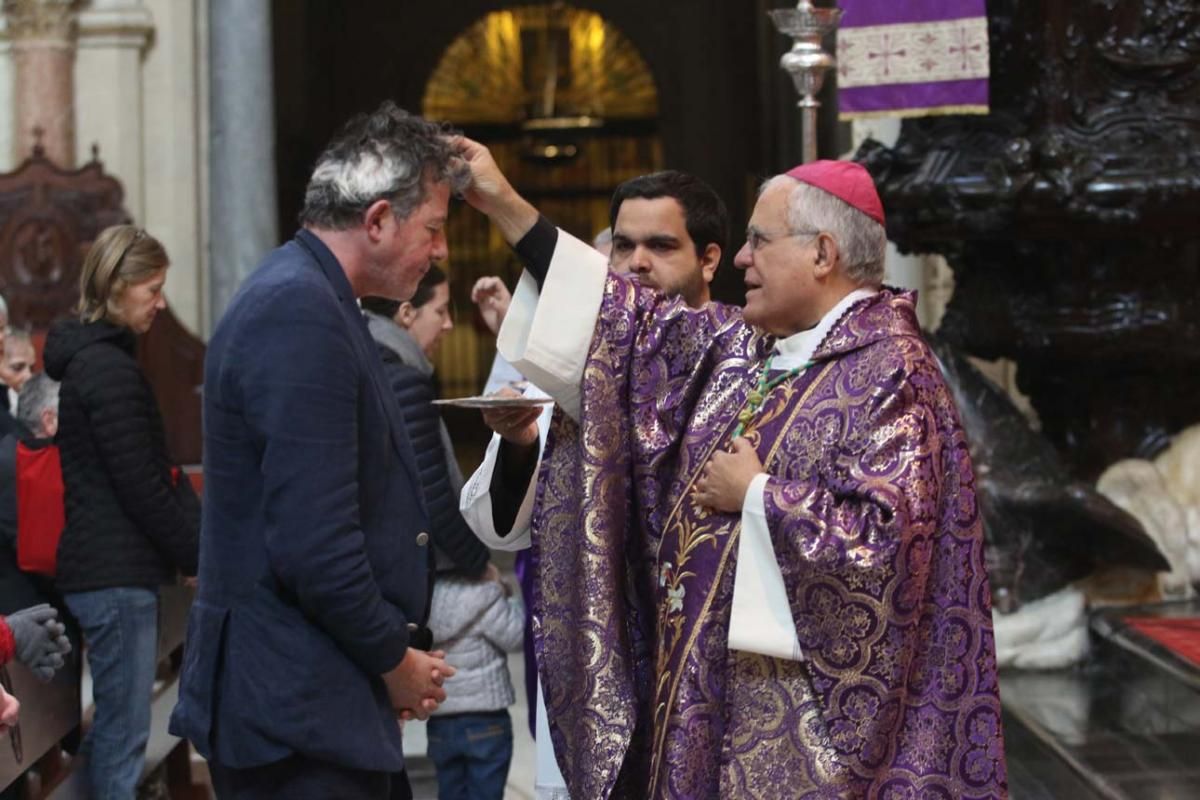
(872, 514)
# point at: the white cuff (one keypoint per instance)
(761, 618)
(475, 503)
(547, 338)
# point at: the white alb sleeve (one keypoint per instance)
(547, 337)
(475, 502)
(761, 618)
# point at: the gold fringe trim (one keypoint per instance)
(932, 111)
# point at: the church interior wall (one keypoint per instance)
(139, 97)
(331, 63)
(6, 98)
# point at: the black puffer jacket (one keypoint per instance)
(452, 537)
(126, 523)
(457, 548)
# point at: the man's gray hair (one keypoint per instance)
(384, 155)
(862, 242)
(38, 394)
(3, 308)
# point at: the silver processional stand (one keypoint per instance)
(807, 62)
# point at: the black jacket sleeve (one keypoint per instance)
(126, 426)
(414, 392)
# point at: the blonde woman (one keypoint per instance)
(127, 530)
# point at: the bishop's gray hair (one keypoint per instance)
(38, 394)
(384, 155)
(862, 242)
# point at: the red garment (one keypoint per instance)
(41, 514)
(8, 645)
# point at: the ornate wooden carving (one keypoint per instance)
(1069, 215)
(48, 220)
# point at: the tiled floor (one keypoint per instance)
(1119, 727)
(1035, 772)
(1123, 723)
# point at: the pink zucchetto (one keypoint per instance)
(845, 180)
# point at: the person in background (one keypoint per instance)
(493, 297)
(34, 634)
(34, 637)
(16, 366)
(8, 423)
(470, 735)
(128, 528)
(477, 621)
(407, 336)
(10, 711)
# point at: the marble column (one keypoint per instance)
(42, 34)
(243, 222)
(175, 150)
(109, 109)
(7, 103)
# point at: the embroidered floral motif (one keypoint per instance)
(832, 627)
(985, 759)
(927, 740)
(675, 598)
(859, 518)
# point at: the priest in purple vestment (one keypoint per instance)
(760, 558)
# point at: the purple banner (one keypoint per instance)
(912, 58)
(857, 13)
(946, 97)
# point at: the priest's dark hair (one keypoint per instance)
(386, 154)
(385, 307)
(704, 212)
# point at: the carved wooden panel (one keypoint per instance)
(1069, 215)
(48, 218)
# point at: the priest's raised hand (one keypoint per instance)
(492, 194)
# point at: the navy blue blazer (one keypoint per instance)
(313, 544)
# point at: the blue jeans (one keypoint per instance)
(472, 753)
(120, 629)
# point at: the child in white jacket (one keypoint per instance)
(477, 622)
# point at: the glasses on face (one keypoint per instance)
(758, 239)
